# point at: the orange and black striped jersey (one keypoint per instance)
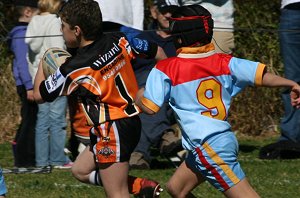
(102, 75)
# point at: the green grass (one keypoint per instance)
(270, 179)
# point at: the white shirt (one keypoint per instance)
(42, 25)
(222, 13)
(129, 13)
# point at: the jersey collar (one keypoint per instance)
(196, 52)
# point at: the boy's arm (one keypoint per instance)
(147, 49)
(138, 101)
(272, 80)
(37, 82)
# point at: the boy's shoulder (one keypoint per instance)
(100, 52)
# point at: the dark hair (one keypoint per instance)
(83, 13)
(30, 3)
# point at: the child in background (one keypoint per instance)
(199, 84)
(24, 142)
(51, 123)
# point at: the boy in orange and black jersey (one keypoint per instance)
(102, 75)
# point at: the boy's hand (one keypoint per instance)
(295, 96)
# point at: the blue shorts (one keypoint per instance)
(216, 159)
(3, 189)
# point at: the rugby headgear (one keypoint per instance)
(191, 25)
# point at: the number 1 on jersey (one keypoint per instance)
(131, 108)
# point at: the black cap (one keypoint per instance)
(165, 6)
(30, 3)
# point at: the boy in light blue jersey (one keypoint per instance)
(199, 85)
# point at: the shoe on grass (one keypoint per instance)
(65, 166)
(137, 161)
(170, 143)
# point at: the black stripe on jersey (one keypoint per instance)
(106, 109)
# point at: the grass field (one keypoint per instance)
(271, 179)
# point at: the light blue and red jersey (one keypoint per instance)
(199, 85)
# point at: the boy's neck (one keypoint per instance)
(84, 43)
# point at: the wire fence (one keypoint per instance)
(236, 29)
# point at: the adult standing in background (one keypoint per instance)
(289, 39)
(223, 15)
(51, 119)
(23, 145)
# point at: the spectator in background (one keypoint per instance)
(288, 143)
(51, 119)
(24, 142)
(156, 129)
(289, 39)
(3, 189)
(223, 14)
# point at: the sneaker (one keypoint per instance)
(65, 166)
(170, 143)
(137, 161)
(20, 170)
(149, 189)
(42, 169)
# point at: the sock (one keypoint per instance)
(94, 178)
(134, 184)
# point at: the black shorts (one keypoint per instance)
(114, 141)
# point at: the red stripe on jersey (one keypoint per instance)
(213, 170)
(181, 70)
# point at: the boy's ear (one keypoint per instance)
(77, 30)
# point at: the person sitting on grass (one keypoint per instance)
(199, 85)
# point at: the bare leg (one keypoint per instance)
(84, 169)
(114, 179)
(183, 181)
(241, 190)
(84, 165)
